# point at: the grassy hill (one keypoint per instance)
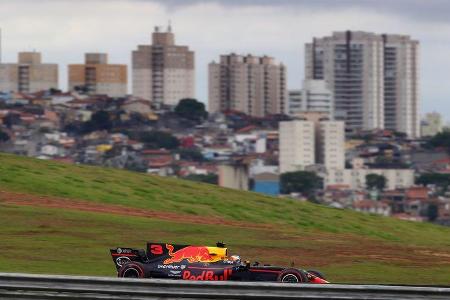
(62, 219)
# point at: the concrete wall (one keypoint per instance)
(234, 176)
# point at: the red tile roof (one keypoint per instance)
(417, 193)
(245, 129)
(368, 204)
(159, 162)
(155, 152)
(338, 187)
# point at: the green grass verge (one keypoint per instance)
(348, 246)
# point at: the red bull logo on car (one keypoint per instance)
(190, 253)
(208, 275)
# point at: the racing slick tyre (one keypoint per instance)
(132, 270)
(317, 273)
(292, 276)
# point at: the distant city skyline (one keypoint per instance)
(64, 30)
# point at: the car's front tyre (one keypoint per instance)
(292, 276)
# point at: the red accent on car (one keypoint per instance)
(191, 253)
(156, 249)
(208, 275)
(317, 280)
(265, 271)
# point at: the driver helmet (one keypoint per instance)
(235, 258)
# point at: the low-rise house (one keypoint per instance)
(67, 142)
(50, 150)
(161, 166)
(135, 145)
(217, 152)
(137, 106)
(396, 199)
(196, 168)
(62, 98)
(258, 166)
(266, 183)
(356, 178)
(119, 138)
(18, 99)
(159, 161)
(371, 206)
(443, 217)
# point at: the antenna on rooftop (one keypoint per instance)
(169, 28)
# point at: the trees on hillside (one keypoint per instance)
(4, 137)
(209, 178)
(11, 119)
(304, 182)
(441, 139)
(375, 182)
(192, 154)
(100, 120)
(191, 109)
(442, 181)
(432, 212)
(159, 139)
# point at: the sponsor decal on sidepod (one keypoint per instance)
(191, 253)
(208, 275)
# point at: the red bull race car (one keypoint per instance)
(189, 262)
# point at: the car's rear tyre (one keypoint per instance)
(317, 274)
(132, 270)
(292, 276)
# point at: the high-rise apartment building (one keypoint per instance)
(98, 77)
(401, 84)
(312, 140)
(29, 75)
(331, 144)
(296, 145)
(163, 72)
(431, 124)
(373, 78)
(313, 97)
(249, 84)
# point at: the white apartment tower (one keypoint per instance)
(431, 124)
(297, 146)
(331, 144)
(315, 96)
(163, 72)
(373, 78)
(312, 140)
(401, 84)
(28, 75)
(249, 84)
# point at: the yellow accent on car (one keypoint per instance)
(217, 253)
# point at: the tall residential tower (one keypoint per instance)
(373, 78)
(249, 84)
(163, 72)
(98, 77)
(29, 75)
(311, 139)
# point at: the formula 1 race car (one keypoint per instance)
(201, 263)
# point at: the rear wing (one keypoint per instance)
(123, 255)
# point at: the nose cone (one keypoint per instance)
(317, 280)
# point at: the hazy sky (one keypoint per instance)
(63, 30)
